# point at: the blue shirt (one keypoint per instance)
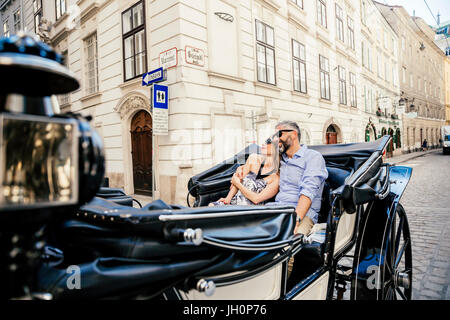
(304, 173)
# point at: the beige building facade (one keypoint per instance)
(241, 66)
(421, 76)
(379, 81)
(238, 67)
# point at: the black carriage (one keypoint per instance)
(361, 241)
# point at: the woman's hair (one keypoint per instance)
(275, 156)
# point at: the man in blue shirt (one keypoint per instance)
(302, 176)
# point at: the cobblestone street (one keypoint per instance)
(427, 204)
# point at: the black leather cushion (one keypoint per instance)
(116, 195)
(336, 178)
(306, 261)
(115, 230)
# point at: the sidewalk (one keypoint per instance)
(408, 156)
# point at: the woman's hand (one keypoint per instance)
(224, 200)
(235, 180)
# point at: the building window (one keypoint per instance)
(339, 23)
(265, 53)
(342, 85)
(364, 12)
(6, 29)
(299, 66)
(37, 10)
(418, 83)
(404, 74)
(352, 89)
(64, 99)
(91, 64)
(363, 54)
(369, 58)
(351, 33)
(322, 12)
(365, 99)
(378, 65)
(298, 2)
(386, 71)
(17, 21)
(324, 78)
(134, 44)
(60, 8)
(394, 78)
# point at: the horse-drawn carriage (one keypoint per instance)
(162, 251)
(52, 248)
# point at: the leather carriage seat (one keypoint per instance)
(336, 178)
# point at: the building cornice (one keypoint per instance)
(271, 3)
(295, 19)
(89, 11)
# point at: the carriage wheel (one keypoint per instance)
(383, 264)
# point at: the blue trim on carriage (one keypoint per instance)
(305, 283)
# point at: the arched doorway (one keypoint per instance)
(390, 147)
(398, 141)
(370, 133)
(331, 135)
(421, 137)
(141, 151)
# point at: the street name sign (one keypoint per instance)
(194, 56)
(168, 59)
(153, 76)
(160, 103)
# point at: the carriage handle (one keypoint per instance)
(292, 240)
(196, 237)
(386, 187)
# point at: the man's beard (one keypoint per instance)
(285, 145)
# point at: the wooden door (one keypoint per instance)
(331, 137)
(141, 150)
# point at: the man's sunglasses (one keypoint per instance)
(277, 134)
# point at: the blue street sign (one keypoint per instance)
(156, 75)
(160, 97)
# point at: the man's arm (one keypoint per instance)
(313, 177)
(303, 205)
